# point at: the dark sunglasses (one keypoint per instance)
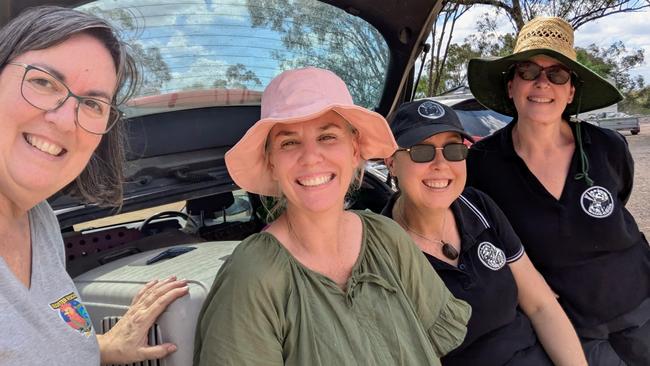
(556, 74)
(454, 151)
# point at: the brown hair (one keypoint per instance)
(46, 26)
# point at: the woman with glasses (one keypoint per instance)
(62, 73)
(471, 245)
(563, 184)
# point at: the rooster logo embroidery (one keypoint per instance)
(73, 313)
(597, 202)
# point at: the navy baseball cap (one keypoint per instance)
(416, 121)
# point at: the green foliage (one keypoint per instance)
(237, 76)
(317, 34)
(485, 42)
(155, 71)
(614, 63)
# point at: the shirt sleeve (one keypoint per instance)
(241, 323)
(444, 316)
(509, 241)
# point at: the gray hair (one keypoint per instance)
(47, 26)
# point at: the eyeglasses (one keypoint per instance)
(423, 153)
(46, 92)
(556, 74)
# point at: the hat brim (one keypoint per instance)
(417, 135)
(247, 164)
(487, 79)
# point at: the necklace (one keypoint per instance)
(448, 250)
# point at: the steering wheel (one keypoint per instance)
(164, 215)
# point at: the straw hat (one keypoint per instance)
(550, 36)
(299, 96)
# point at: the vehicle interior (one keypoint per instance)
(205, 65)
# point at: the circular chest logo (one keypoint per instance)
(597, 202)
(491, 256)
(431, 110)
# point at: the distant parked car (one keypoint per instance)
(618, 121)
(477, 120)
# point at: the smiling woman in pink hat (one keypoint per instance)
(321, 285)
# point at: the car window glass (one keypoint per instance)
(482, 122)
(198, 53)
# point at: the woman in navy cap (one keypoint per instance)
(563, 185)
(471, 245)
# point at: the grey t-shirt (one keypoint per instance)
(46, 324)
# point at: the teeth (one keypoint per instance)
(540, 100)
(315, 181)
(44, 146)
(436, 183)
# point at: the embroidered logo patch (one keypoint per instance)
(491, 256)
(73, 313)
(597, 202)
(431, 110)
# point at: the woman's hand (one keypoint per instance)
(126, 342)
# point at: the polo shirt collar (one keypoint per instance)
(508, 147)
(471, 221)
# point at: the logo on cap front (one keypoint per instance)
(431, 110)
(597, 202)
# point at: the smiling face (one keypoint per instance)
(433, 185)
(540, 100)
(314, 162)
(43, 151)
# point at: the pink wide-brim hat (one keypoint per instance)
(297, 96)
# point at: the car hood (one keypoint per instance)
(177, 138)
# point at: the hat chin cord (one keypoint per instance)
(584, 160)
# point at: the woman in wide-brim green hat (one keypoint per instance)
(563, 185)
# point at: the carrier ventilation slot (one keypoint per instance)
(154, 338)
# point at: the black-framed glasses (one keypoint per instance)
(46, 92)
(424, 153)
(556, 74)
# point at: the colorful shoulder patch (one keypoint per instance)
(73, 313)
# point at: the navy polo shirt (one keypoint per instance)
(586, 244)
(497, 329)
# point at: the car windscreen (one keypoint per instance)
(198, 53)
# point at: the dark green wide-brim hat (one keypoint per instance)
(550, 36)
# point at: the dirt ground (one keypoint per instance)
(639, 203)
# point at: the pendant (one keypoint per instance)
(449, 251)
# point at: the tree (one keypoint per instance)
(237, 76)
(317, 34)
(437, 63)
(577, 13)
(614, 63)
(448, 64)
(155, 71)
(485, 42)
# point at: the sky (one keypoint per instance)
(631, 28)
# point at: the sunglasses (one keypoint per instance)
(556, 74)
(454, 151)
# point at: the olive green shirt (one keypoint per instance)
(266, 308)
